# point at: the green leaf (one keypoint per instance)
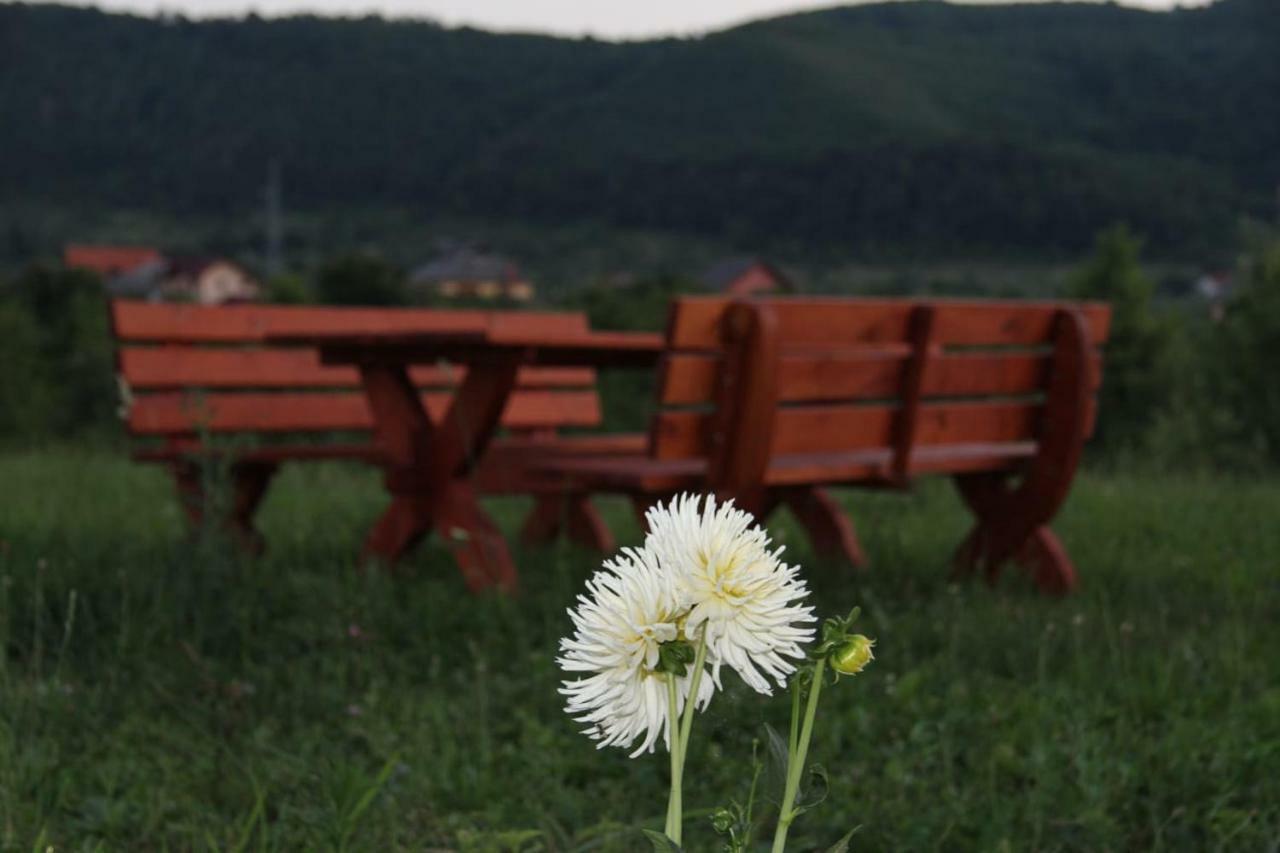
(776, 765)
(814, 791)
(842, 846)
(661, 843)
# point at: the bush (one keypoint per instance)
(1248, 341)
(1138, 371)
(360, 279)
(57, 355)
(24, 389)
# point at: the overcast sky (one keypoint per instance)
(600, 18)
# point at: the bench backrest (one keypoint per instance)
(955, 382)
(190, 369)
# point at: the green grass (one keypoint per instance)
(159, 692)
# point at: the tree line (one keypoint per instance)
(876, 131)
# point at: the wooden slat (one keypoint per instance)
(876, 464)
(629, 473)
(870, 373)
(170, 323)
(678, 435)
(825, 429)
(179, 413)
(977, 423)
(817, 429)
(848, 321)
(191, 448)
(174, 367)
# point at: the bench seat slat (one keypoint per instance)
(179, 413)
(503, 453)
(173, 367)
(820, 429)
(869, 466)
(363, 452)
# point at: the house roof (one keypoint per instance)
(194, 265)
(109, 260)
(725, 272)
(140, 281)
(465, 265)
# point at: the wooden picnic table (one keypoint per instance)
(431, 463)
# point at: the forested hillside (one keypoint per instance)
(880, 130)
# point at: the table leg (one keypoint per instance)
(463, 436)
(430, 468)
(399, 528)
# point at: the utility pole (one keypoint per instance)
(275, 260)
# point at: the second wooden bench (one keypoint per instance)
(771, 401)
(199, 385)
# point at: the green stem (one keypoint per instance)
(680, 740)
(795, 761)
(674, 804)
(686, 725)
(796, 692)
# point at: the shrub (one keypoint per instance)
(1138, 369)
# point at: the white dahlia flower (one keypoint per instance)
(631, 609)
(735, 588)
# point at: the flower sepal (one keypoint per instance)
(675, 656)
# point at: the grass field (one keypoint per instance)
(159, 693)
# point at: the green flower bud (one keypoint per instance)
(852, 657)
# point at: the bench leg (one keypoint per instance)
(1003, 534)
(250, 481)
(554, 514)
(189, 480)
(829, 529)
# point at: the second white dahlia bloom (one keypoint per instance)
(735, 587)
(631, 608)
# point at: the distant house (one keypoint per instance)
(746, 277)
(466, 273)
(1215, 289)
(206, 281)
(109, 261)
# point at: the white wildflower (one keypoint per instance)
(630, 610)
(725, 574)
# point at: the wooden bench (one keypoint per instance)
(199, 385)
(769, 401)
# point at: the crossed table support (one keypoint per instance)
(429, 466)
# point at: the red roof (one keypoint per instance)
(109, 260)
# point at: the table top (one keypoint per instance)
(585, 349)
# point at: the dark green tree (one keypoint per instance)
(58, 323)
(24, 386)
(1248, 343)
(360, 279)
(288, 289)
(1137, 369)
(639, 306)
